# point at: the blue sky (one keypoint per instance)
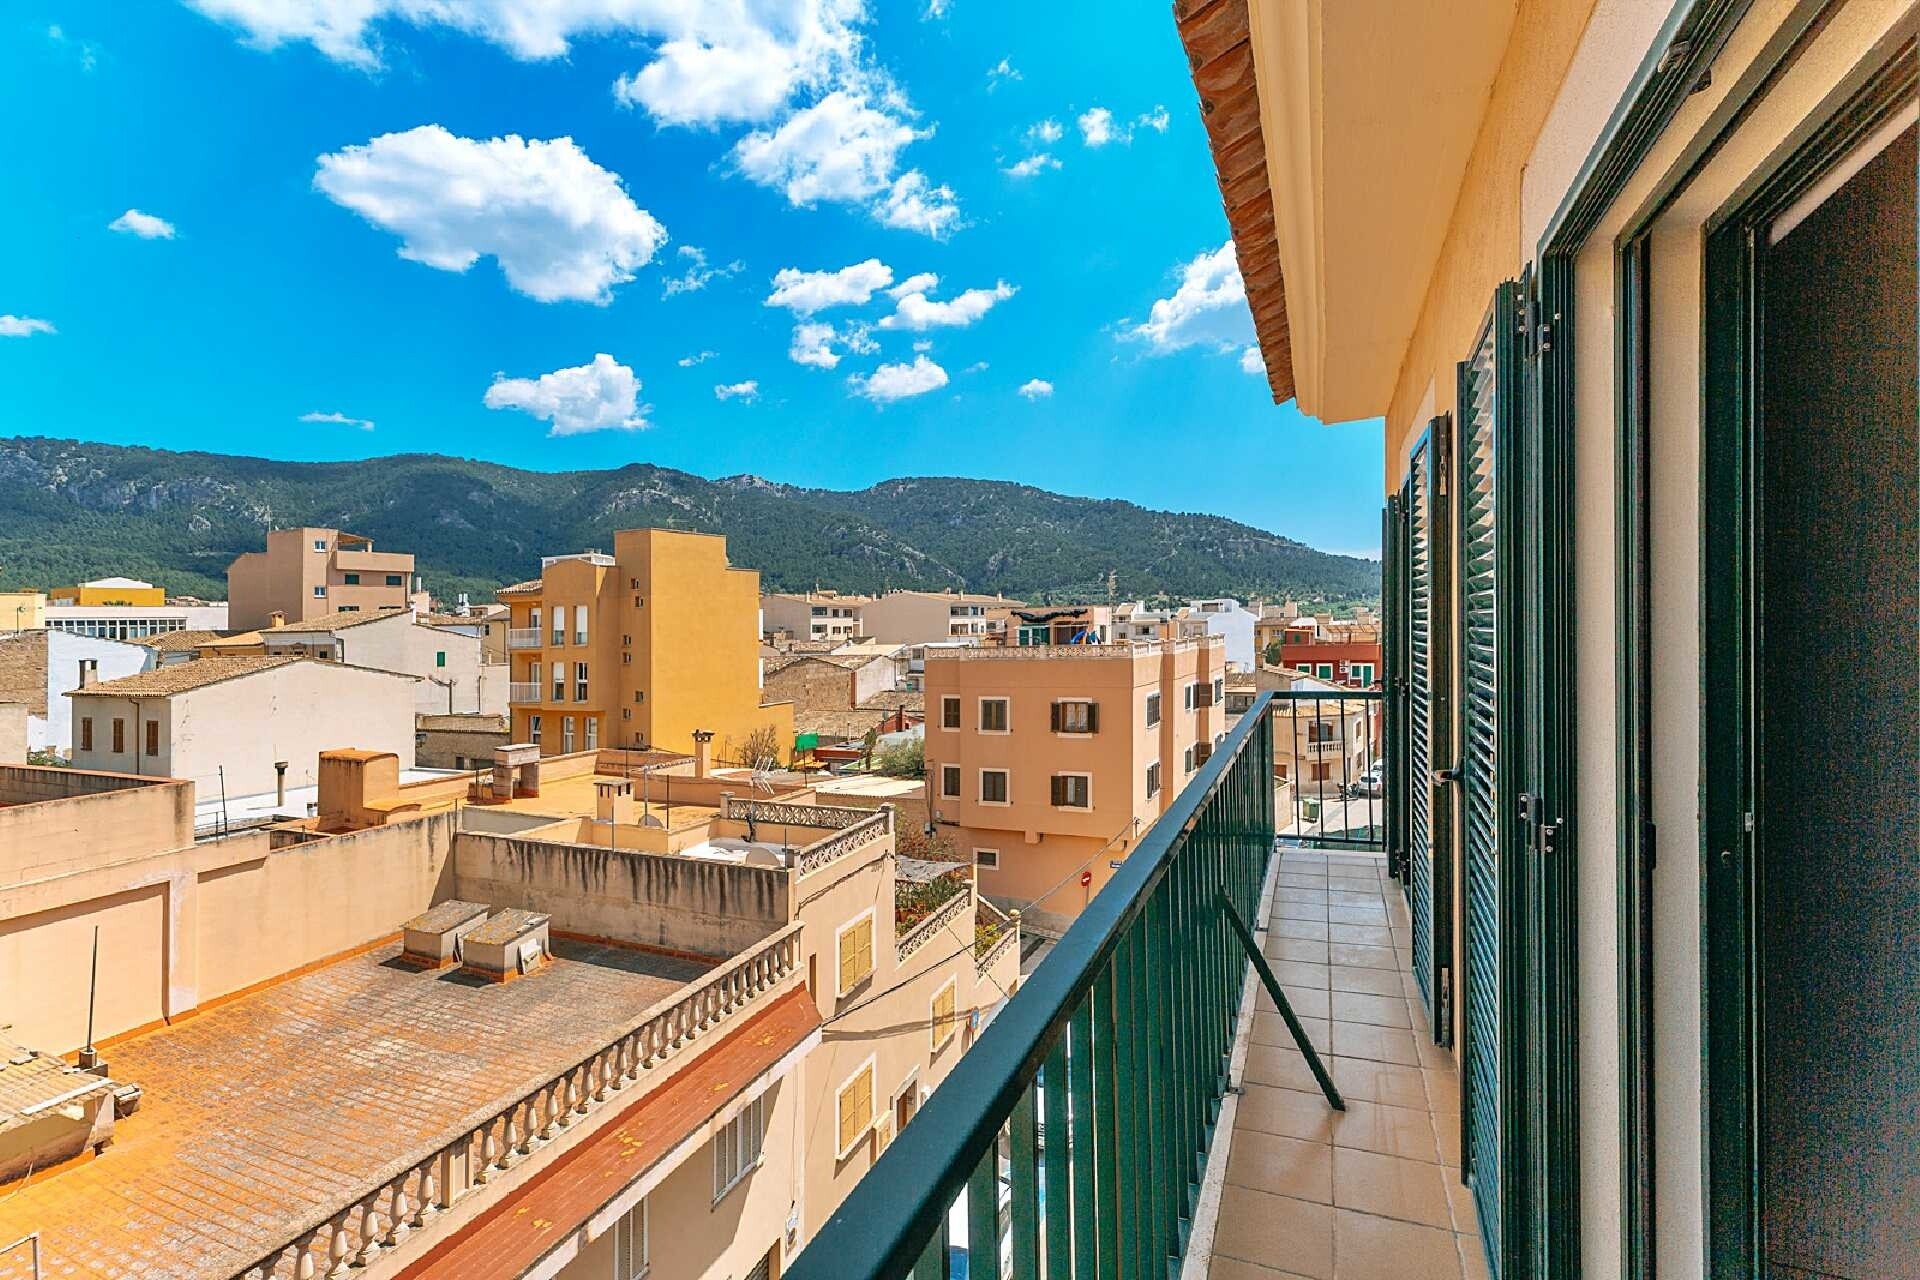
(235, 230)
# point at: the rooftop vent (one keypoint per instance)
(511, 945)
(431, 940)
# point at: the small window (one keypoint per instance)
(559, 682)
(1072, 791)
(949, 713)
(1153, 710)
(1189, 697)
(319, 593)
(579, 624)
(1076, 716)
(86, 733)
(854, 951)
(1153, 779)
(1326, 671)
(944, 1026)
(533, 730)
(353, 579)
(1202, 752)
(987, 859)
(626, 659)
(993, 715)
(593, 734)
(855, 1109)
(736, 1148)
(119, 735)
(439, 657)
(579, 682)
(395, 580)
(566, 735)
(993, 786)
(1189, 759)
(630, 1243)
(950, 781)
(1219, 689)
(153, 737)
(319, 544)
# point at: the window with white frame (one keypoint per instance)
(1072, 791)
(853, 948)
(533, 730)
(987, 859)
(566, 735)
(579, 682)
(993, 786)
(949, 712)
(319, 544)
(1360, 673)
(943, 1025)
(1076, 715)
(559, 624)
(319, 593)
(853, 1109)
(1326, 671)
(1153, 710)
(1153, 779)
(736, 1148)
(950, 781)
(559, 682)
(593, 733)
(994, 717)
(630, 1243)
(1189, 759)
(579, 624)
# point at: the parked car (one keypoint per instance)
(1372, 783)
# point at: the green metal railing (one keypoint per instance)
(1336, 772)
(1078, 1126)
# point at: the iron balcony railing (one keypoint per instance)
(523, 637)
(1329, 749)
(1097, 1086)
(523, 691)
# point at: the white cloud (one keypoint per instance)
(1156, 119)
(340, 419)
(1096, 127)
(914, 204)
(698, 357)
(600, 396)
(935, 9)
(915, 311)
(978, 366)
(1251, 361)
(1048, 131)
(698, 274)
(560, 226)
(840, 148)
(805, 292)
(999, 73)
(748, 391)
(892, 382)
(23, 326)
(144, 225)
(1036, 388)
(1031, 165)
(84, 51)
(1208, 308)
(813, 346)
(921, 282)
(923, 344)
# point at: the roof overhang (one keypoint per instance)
(1341, 134)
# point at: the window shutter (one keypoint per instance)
(1056, 717)
(856, 1107)
(1059, 789)
(1093, 717)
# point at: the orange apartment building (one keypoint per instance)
(306, 572)
(1047, 763)
(641, 648)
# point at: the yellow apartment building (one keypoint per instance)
(642, 648)
(307, 572)
(105, 591)
(1046, 763)
(23, 610)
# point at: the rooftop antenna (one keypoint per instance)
(89, 1057)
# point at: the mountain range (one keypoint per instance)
(71, 510)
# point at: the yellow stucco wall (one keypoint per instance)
(111, 595)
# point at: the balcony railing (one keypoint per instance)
(523, 638)
(1115, 1049)
(1335, 784)
(523, 691)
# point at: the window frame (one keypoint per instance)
(951, 989)
(1068, 776)
(733, 1163)
(959, 780)
(950, 702)
(1153, 709)
(842, 987)
(864, 1132)
(980, 720)
(1153, 779)
(1006, 788)
(1092, 718)
(990, 861)
(623, 1234)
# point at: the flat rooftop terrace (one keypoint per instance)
(282, 1104)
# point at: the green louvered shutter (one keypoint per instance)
(1394, 602)
(1430, 715)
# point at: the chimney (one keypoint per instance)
(279, 782)
(89, 672)
(702, 752)
(276, 620)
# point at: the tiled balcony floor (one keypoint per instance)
(1373, 1193)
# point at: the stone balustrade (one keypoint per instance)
(410, 1196)
(944, 915)
(876, 825)
(776, 813)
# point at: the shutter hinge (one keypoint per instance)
(1549, 839)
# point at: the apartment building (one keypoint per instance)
(1633, 288)
(110, 591)
(230, 724)
(642, 648)
(1347, 653)
(133, 621)
(479, 1061)
(924, 617)
(449, 664)
(307, 572)
(1046, 763)
(813, 615)
(1233, 622)
(1062, 624)
(38, 669)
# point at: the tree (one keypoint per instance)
(762, 745)
(1272, 654)
(903, 759)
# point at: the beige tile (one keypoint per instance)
(1271, 1028)
(1434, 1057)
(1379, 1044)
(1349, 898)
(1390, 1131)
(1276, 1232)
(1280, 947)
(1363, 957)
(1446, 1134)
(1279, 1067)
(1370, 935)
(1466, 1219)
(1294, 927)
(1234, 1269)
(1302, 911)
(1410, 1190)
(1299, 880)
(1375, 982)
(1376, 915)
(1378, 1011)
(1473, 1257)
(1298, 973)
(1285, 1166)
(1349, 884)
(1378, 1082)
(1307, 1002)
(1370, 1248)
(1443, 1090)
(1297, 894)
(1289, 1113)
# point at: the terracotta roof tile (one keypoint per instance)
(181, 677)
(339, 621)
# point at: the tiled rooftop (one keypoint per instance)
(281, 1105)
(183, 676)
(339, 621)
(1374, 1192)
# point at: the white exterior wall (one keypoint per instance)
(64, 654)
(13, 733)
(1233, 621)
(401, 644)
(244, 725)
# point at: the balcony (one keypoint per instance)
(523, 691)
(523, 638)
